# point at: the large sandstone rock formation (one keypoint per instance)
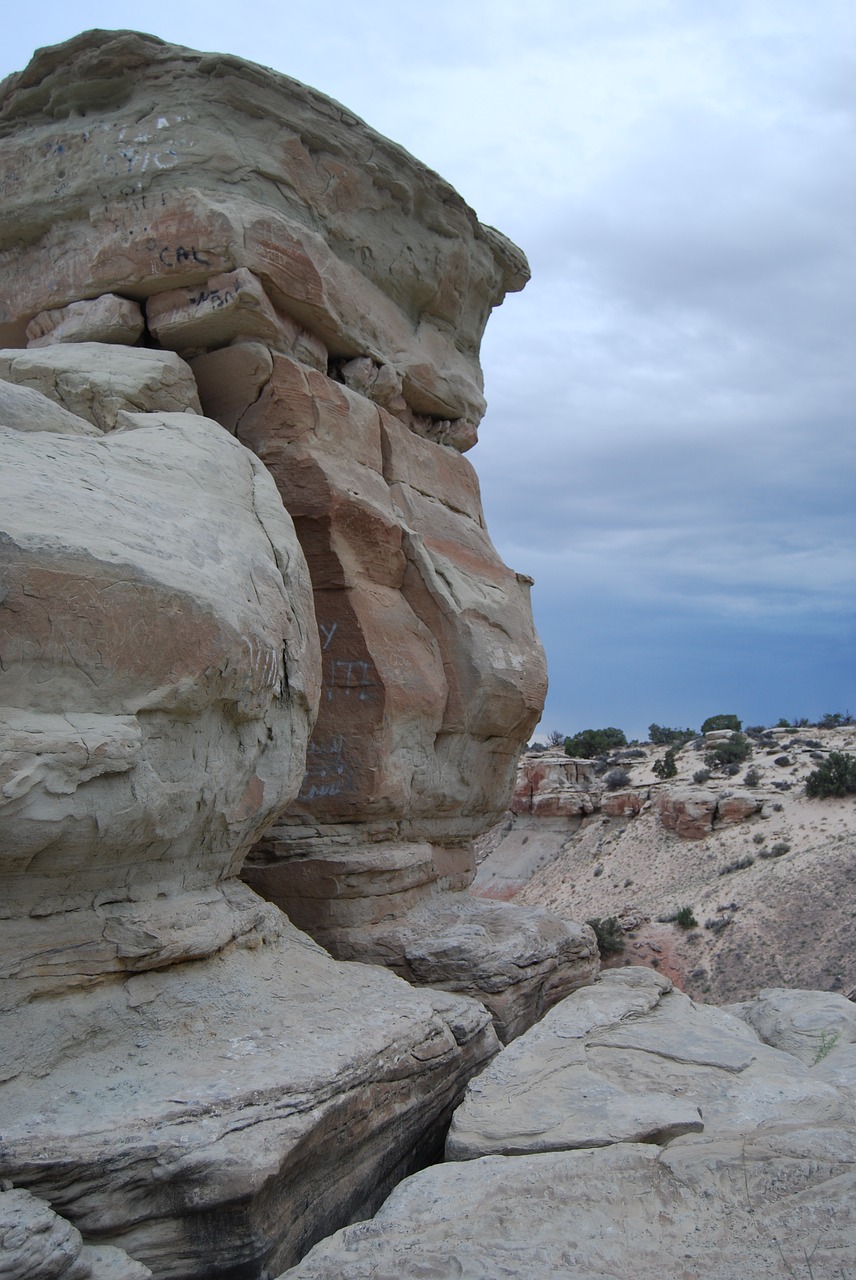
(330, 294)
(635, 1133)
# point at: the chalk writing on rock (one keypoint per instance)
(174, 256)
(327, 770)
(350, 676)
(217, 297)
(327, 632)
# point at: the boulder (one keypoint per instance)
(688, 812)
(96, 382)
(158, 683)
(630, 1059)
(25, 409)
(105, 319)
(37, 1244)
(776, 1204)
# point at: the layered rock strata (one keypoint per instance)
(633, 1132)
(330, 294)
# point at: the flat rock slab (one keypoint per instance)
(716, 1210)
(216, 1119)
(628, 1059)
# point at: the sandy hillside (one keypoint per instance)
(784, 916)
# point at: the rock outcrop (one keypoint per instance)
(176, 1057)
(222, 292)
(329, 293)
(652, 1136)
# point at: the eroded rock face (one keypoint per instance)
(555, 787)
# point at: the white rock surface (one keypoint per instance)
(778, 1204)
(37, 1244)
(629, 1059)
(24, 409)
(767, 1188)
(105, 319)
(95, 381)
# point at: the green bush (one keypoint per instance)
(609, 934)
(835, 777)
(685, 918)
(721, 722)
(594, 742)
(661, 736)
(732, 751)
(667, 767)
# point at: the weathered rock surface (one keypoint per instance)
(105, 319)
(777, 1204)
(24, 409)
(629, 1059)
(645, 1135)
(37, 1244)
(158, 682)
(215, 1119)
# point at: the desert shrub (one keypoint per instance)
(701, 776)
(755, 730)
(685, 918)
(836, 776)
(718, 924)
(712, 723)
(667, 767)
(778, 850)
(740, 864)
(733, 751)
(636, 753)
(752, 777)
(782, 786)
(661, 736)
(616, 778)
(590, 743)
(834, 719)
(609, 934)
(782, 761)
(759, 837)
(732, 770)
(555, 738)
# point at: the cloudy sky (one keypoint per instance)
(670, 447)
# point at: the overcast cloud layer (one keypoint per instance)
(670, 444)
